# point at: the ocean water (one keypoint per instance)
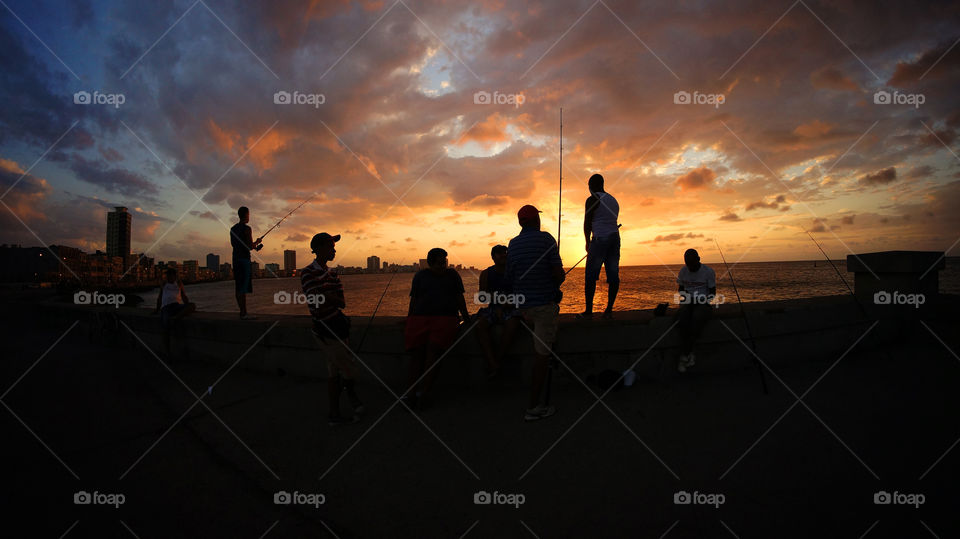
(641, 287)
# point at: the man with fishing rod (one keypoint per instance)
(535, 270)
(600, 220)
(331, 328)
(241, 239)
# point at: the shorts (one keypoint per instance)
(242, 275)
(497, 315)
(604, 252)
(544, 319)
(168, 312)
(339, 358)
(438, 330)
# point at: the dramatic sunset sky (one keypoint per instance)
(797, 143)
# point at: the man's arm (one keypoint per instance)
(588, 210)
(183, 292)
(484, 281)
(463, 308)
(558, 275)
(159, 297)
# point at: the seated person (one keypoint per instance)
(697, 288)
(495, 290)
(172, 304)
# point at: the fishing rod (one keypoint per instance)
(552, 362)
(746, 322)
(560, 194)
(377, 308)
(287, 215)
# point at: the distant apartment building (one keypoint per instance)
(290, 261)
(272, 268)
(119, 229)
(190, 268)
(424, 264)
(373, 264)
(255, 269)
(213, 262)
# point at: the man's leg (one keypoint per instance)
(611, 265)
(541, 364)
(510, 328)
(242, 303)
(701, 314)
(185, 310)
(589, 290)
(684, 318)
(415, 369)
(434, 351)
(486, 342)
(334, 387)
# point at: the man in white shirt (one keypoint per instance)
(697, 288)
(603, 249)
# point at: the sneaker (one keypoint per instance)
(683, 363)
(690, 360)
(538, 413)
(356, 404)
(337, 420)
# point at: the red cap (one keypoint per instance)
(528, 212)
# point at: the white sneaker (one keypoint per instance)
(682, 363)
(690, 360)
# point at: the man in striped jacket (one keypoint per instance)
(331, 328)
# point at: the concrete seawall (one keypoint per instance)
(818, 329)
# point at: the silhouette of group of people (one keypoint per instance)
(522, 286)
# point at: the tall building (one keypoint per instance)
(289, 261)
(424, 264)
(119, 228)
(373, 264)
(213, 262)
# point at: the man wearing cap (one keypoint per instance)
(331, 328)
(241, 239)
(535, 270)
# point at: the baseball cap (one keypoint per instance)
(527, 212)
(321, 238)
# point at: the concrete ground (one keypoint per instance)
(110, 418)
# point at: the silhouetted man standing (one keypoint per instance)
(535, 272)
(241, 238)
(600, 218)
